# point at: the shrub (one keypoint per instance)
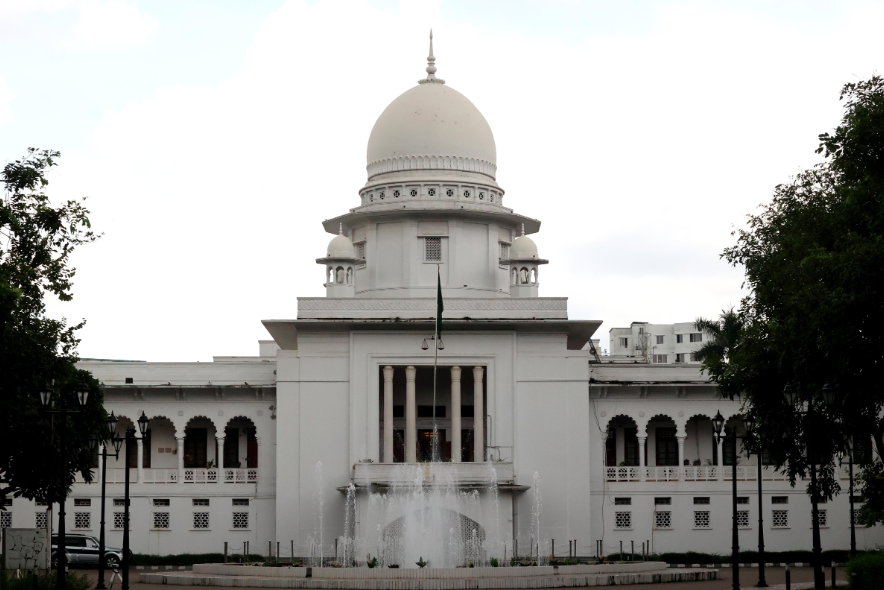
(866, 571)
(190, 558)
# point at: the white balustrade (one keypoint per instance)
(700, 472)
(622, 473)
(191, 475)
(663, 473)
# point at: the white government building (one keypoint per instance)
(622, 444)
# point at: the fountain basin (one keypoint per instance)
(438, 578)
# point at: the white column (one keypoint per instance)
(641, 457)
(220, 458)
(388, 414)
(680, 458)
(140, 445)
(180, 459)
(455, 415)
(720, 459)
(478, 416)
(410, 417)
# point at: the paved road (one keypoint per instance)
(802, 578)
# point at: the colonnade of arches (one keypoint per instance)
(339, 275)
(525, 275)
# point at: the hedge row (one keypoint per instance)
(835, 555)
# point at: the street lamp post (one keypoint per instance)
(762, 582)
(809, 413)
(718, 425)
(82, 391)
(129, 438)
(117, 442)
(849, 451)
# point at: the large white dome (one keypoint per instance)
(432, 127)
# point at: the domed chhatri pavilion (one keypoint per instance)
(297, 444)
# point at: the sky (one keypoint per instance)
(213, 137)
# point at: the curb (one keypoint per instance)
(727, 565)
(165, 567)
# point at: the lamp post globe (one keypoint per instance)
(143, 421)
(790, 392)
(82, 391)
(112, 425)
(46, 395)
(718, 424)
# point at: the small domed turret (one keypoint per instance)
(340, 247)
(524, 248)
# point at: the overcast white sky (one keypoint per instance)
(213, 136)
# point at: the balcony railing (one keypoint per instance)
(432, 473)
(190, 475)
(622, 473)
(697, 473)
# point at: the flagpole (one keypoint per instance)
(435, 449)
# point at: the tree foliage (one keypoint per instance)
(814, 266)
(36, 241)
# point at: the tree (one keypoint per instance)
(36, 240)
(814, 264)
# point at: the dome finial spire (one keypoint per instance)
(431, 67)
(523, 229)
(341, 229)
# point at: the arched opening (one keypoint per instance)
(160, 445)
(340, 277)
(662, 449)
(349, 275)
(622, 449)
(515, 277)
(699, 449)
(409, 537)
(534, 276)
(240, 450)
(523, 276)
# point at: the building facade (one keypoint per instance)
(268, 449)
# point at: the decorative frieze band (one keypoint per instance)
(326, 307)
(432, 163)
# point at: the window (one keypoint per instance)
(822, 517)
(450, 192)
(630, 444)
(427, 411)
(667, 446)
(662, 501)
(119, 518)
(701, 500)
(679, 338)
(779, 499)
(481, 196)
(119, 501)
(82, 502)
(855, 518)
(660, 359)
(200, 520)
(432, 249)
(82, 520)
(7, 501)
(622, 501)
(382, 195)
(679, 357)
(697, 337)
(40, 503)
(200, 501)
(701, 519)
(856, 499)
(663, 520)
(399, 411)
(5, 520)
(240, 520)
(240, 501)
(161, 502)
(195, 447)
(742, 519)
(432, 192)
(396, 194)
(40, 520)
(623, 520)
(624, 343)
(659, 339)
(467, 412)
(413, 192)
(466, 194)
(780, 519)
(742, 499)
(130, 380)
(504, 251)
(161, 520)
(360, 250)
